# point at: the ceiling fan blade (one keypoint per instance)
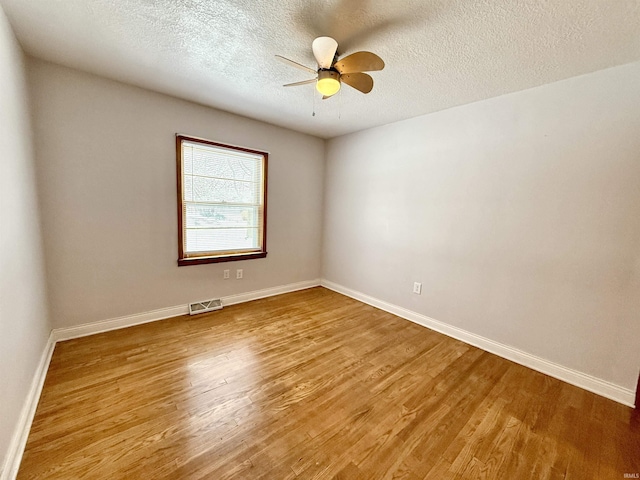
(359, 62)
(295, 64)
(303, 82)
(359, 81)
(324, 49)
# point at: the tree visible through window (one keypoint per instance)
(221, 201)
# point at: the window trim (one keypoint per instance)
(183, 259)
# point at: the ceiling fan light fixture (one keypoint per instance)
(328, 82)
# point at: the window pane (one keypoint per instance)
(216, 190)
(221, 216)
(210, 240)
(212, 162)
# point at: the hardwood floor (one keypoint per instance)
(313, 384)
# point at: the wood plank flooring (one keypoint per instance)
(313, 384)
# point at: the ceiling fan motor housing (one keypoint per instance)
(328, 82)
(322, 73)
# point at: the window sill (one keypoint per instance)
(182, 262)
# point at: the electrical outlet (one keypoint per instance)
(226, 274)
(239, 273)
(417, 288)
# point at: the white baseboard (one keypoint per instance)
(67, 333)
(21, 433)
(269, 292)
(77, 331)
(574, 377)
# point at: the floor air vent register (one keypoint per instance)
(205, 306)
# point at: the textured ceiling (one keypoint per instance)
(438, 53)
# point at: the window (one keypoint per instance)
(222, 202)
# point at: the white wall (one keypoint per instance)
(106, 164)
(24, 324)
(520, 215)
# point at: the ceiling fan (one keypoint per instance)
(331, 72)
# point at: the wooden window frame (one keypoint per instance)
(183, 258)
